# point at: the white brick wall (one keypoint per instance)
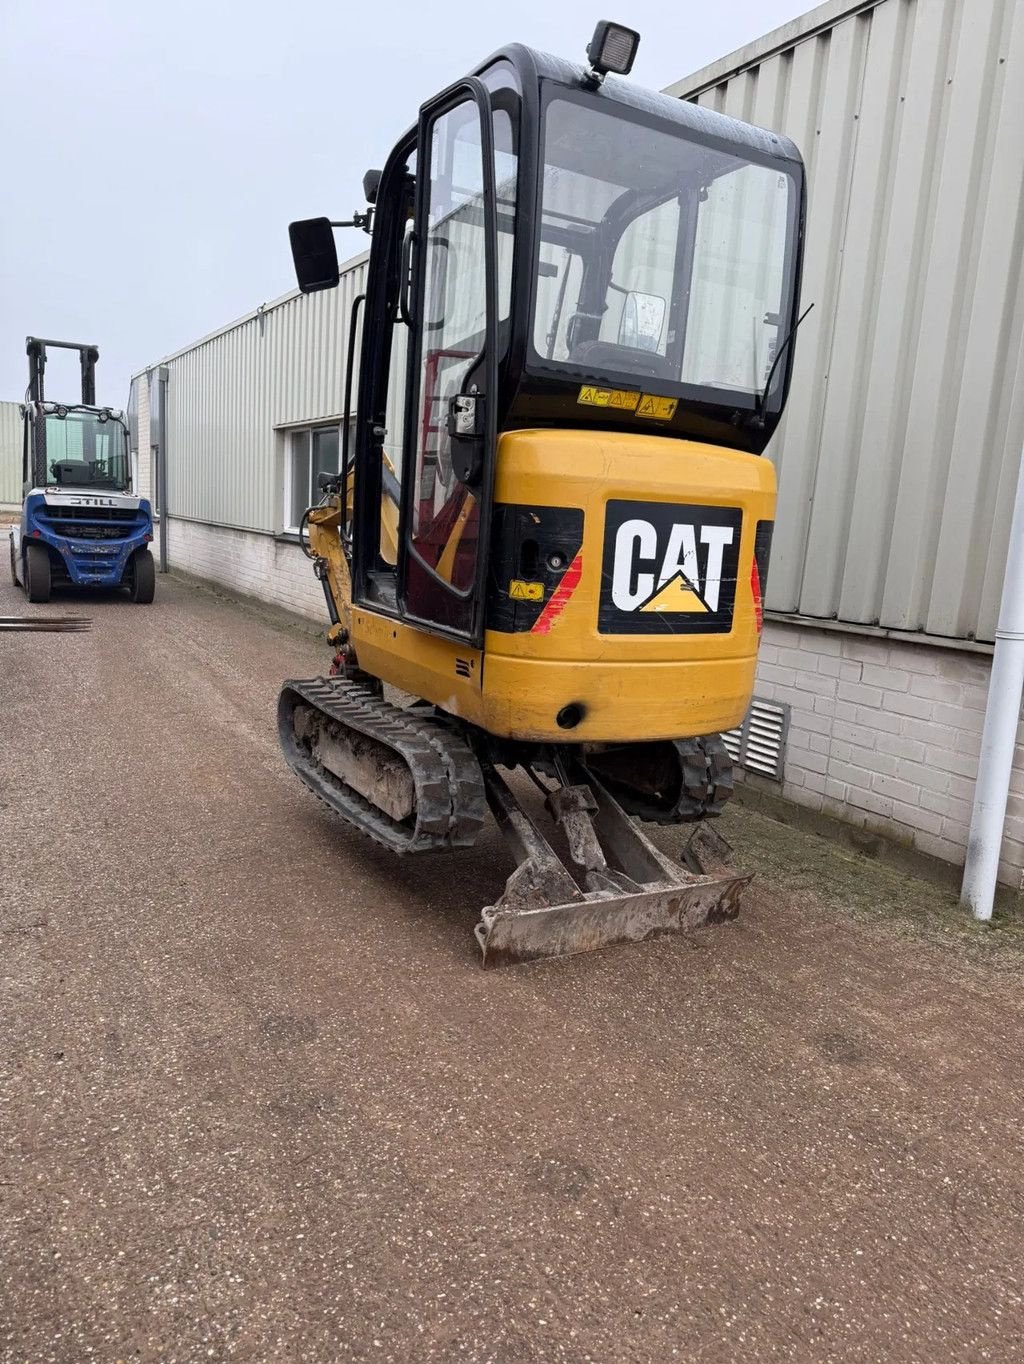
(885, 735)
(274, 571)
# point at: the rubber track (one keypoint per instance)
(706, 783)
(450, 802)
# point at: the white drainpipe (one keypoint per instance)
(999, 736)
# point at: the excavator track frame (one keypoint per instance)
(614, 885)
(677, 781)
(450, 806)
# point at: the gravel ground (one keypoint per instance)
(258, 1101)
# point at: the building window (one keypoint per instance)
(310, 452)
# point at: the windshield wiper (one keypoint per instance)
(758, 418)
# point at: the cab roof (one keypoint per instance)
(693, 118)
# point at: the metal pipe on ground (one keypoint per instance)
(999, 735)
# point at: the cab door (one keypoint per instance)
(451, 394)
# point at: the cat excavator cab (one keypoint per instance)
(550, 532)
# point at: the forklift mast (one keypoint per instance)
(36, 346)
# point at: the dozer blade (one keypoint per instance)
(623, 888)
(509, 936)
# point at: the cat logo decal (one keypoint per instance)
(669, 568)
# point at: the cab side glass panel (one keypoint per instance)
(443, 521)
(738, 279)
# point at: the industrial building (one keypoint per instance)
(10, 455)
(897, 458)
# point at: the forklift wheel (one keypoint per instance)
(37, 573)
(142, 577)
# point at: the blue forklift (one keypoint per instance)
(81, 522)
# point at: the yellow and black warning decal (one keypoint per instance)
(519, 590)
(624, 399)
(656, 409)
(669, 568)
(649, 405)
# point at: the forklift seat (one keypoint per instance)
(72, 471)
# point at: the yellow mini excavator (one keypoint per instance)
(551, 532)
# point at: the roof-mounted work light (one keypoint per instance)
(612, 48)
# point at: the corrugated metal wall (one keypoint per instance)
(226, 395)
(898, 455)
(10, 454)
(143, 448)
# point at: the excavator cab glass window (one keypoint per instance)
(661, 258)
(434, 265)
(443, 529)
(506, 169)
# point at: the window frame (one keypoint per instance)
(308, 429)
(479, 341)
(460, 613)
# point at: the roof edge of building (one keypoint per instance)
(261, 311)
(798, 30)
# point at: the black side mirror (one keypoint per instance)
(314, 253)
(371, 184)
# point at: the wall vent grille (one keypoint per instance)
(759, 744)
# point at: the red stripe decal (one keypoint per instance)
(755, 587)
(560, 597)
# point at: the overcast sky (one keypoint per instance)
(153, 154)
